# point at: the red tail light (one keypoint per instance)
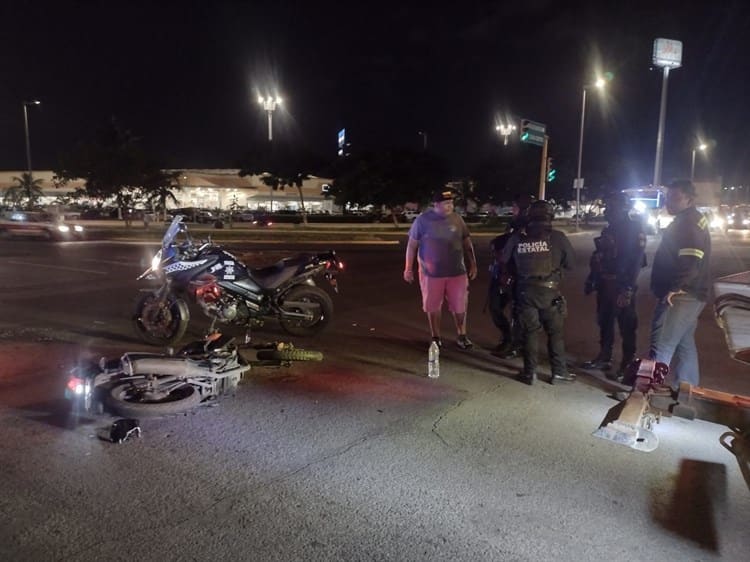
(76, 385)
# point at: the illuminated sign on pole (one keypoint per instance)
(667, 53)
(342, 141)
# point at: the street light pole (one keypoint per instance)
(26, 131)
(269, 104)
(505, 131)
(579, 181)
(700, 147)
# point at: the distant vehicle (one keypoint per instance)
(738, 218)
(244, 217)
(648, 203)
(409, 216)
(262, 221)
(30, 224)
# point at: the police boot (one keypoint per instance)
(562, 377)
(529, 379)
(601, 362)
(619, 374)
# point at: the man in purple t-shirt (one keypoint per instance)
(441, 241)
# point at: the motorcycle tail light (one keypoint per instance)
(76, 385)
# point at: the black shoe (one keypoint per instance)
(564, 377)
(502, 347)
(463, 342)
(512, 353)
(438, 341)
(598, 363)
(526, 378)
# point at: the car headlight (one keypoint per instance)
(78, 228)
(63, 228)
(717, 223)
(746, 221)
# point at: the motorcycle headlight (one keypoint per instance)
(156, 261)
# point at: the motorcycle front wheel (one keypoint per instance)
(161, 323)
(306, 310)
(144, 398)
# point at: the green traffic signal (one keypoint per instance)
(551, 175)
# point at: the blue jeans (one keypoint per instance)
(673, 337)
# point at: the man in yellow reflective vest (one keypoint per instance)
(680, 280)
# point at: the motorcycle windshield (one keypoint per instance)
(171, 232)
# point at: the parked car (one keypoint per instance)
(262, 220)
(31, 224)
(244, 216)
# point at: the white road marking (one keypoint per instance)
(78, 270)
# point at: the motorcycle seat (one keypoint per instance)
(274, 275)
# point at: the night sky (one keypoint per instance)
(185, 77)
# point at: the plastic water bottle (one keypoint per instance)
(433, 361)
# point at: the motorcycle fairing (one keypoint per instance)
(183, 266)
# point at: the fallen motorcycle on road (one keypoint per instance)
(151, 384)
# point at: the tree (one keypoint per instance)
(113, 165)
(387, 178)
(26, 193)
(280, 166)
(159, 188)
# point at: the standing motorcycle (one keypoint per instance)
(229, 292)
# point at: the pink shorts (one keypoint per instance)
(455, 290)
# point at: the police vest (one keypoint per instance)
(533, 257)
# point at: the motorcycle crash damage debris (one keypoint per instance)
(632, 422)
(150, 384)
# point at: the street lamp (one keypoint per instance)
(702, 147)
(505, 131)
(423, 134)
(26, 130)
(269, 104)
(599, 84)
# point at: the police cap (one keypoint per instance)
(541, 211)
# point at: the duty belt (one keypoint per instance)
(539, 283)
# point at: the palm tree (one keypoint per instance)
(160, 188)
(28, 191)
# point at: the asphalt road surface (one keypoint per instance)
(360, 457)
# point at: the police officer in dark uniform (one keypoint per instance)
(502, 277)
(539, 255)
(615, 264)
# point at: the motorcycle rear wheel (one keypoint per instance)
(132, 399)
(289, 355)
(157, 325)
(320, 313)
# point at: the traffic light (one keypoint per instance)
(551, 172)
(524, 130)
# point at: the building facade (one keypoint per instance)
(210, 189)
